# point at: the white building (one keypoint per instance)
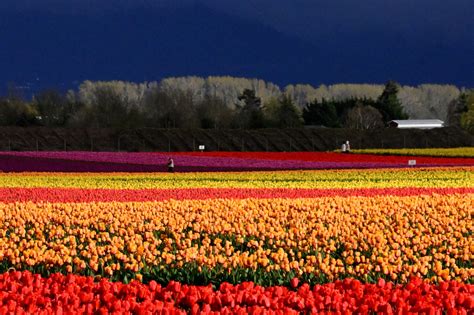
(416, 124)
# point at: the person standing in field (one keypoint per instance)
(346, 147)
(343, 148)
(170, 165)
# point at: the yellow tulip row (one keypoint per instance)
(427, 236)
(373, 178)
(445, 152)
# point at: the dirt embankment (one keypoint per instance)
(149, 139)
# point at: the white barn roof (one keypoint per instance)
(417, 123)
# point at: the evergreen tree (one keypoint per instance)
(15, 111)
(455, 110)
(250, 113)
(52, 107)
(271, 110)
(212, 112)
(389, 104)
(467, 118)
(250, 100)
(288, 114)
(322, 113)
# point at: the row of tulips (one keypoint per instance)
(192, 162)
(457, 156)
(250, 229)
(319, 179)
(467, 152)
(253, 158)
(320, 239)
(68, 195)
(183, 164)
(26, 293)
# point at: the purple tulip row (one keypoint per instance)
(156, 162)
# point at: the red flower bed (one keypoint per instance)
(9, 195)
(23, 292)
(334, 157)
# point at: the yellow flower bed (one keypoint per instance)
(427, 236)
(381, 178)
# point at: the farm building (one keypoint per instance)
(416, 124)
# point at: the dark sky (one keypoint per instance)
(297, 41)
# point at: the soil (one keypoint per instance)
(150, 139)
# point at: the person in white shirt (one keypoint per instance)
(170, 165)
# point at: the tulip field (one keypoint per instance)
(235, 233)
(446, 152)
(219, 161)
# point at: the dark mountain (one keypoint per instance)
(138, 45)
(41, 49)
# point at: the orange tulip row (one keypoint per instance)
(362, 237)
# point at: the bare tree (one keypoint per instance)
(363, 117)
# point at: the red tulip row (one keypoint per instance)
(24, 292)
(9, 195)
(332, 157)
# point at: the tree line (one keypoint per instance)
(122, 105)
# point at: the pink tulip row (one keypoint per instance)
(214, 161)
